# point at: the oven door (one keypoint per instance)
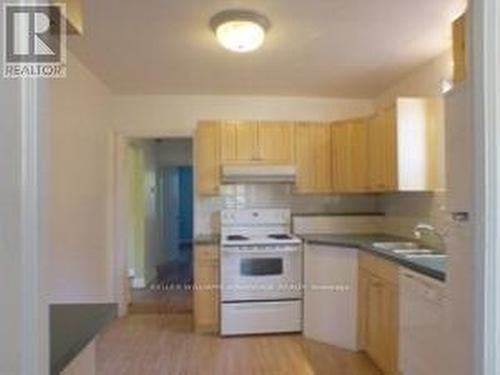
(259, 275)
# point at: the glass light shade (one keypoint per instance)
(240, 36)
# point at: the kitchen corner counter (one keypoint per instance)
(435, 268)
(73, 327)
(207, 239)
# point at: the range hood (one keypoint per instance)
(236, 174)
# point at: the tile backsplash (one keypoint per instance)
(403, 211)
(275, 196)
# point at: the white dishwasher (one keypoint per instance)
(330, 295)
(422, 342)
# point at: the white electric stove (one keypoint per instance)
(261, 272)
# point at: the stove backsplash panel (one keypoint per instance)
(274, 196)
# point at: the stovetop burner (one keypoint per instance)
(280, 236)
(236, 237)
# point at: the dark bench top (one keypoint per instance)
(73, 327)
(435, 268)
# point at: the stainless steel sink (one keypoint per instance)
(412, 251)
(391, 246)
(428, 256)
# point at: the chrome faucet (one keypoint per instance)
(423, 227)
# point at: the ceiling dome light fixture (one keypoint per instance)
(240, 30)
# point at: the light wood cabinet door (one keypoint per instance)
(350, 156)
(228, 150)
(382, 151)
(239, 142)
(207, 165)
(382, 324)
(247, 142)
(275, 142)
(341, 157)
(459, 50)
(359, 182)
(375, 155)
(378, 311)
(313, 158)
(206, 293)
(363, 290)
(389, 149)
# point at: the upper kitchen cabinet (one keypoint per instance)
(73, 14)
(239, 141)
(459, 49)
(276, 142)
(382, 151)
(256, 142)
(313, 158)
(207, 164)
(405, 147)
(350, 156)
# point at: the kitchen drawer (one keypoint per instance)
(379, 267)
(242, 318)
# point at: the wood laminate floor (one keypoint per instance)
(152, 301)
(165, 345)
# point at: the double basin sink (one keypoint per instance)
(409, 250)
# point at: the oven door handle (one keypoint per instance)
(260, 252)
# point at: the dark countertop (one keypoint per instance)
(207, 239)
(73, 327)
(313, 214)
(435, 268)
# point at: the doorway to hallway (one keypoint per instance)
(160, 225)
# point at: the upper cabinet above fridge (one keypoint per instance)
(405, 146)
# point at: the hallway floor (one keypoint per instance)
(169, 294)
(151, 301)
(165, 345)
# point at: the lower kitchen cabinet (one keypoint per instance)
(206, 290)
(378, 314)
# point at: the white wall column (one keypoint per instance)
(485, 60)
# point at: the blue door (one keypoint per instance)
(185, 226)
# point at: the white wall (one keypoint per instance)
(423, 81)
(153, 255)
(11, 266)
(145, 251)
(177, 116)
(78, 183)
(173, 152)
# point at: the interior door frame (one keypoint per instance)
(34, 128)
(117, 197)
(484, 36)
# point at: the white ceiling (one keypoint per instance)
(349, 48)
